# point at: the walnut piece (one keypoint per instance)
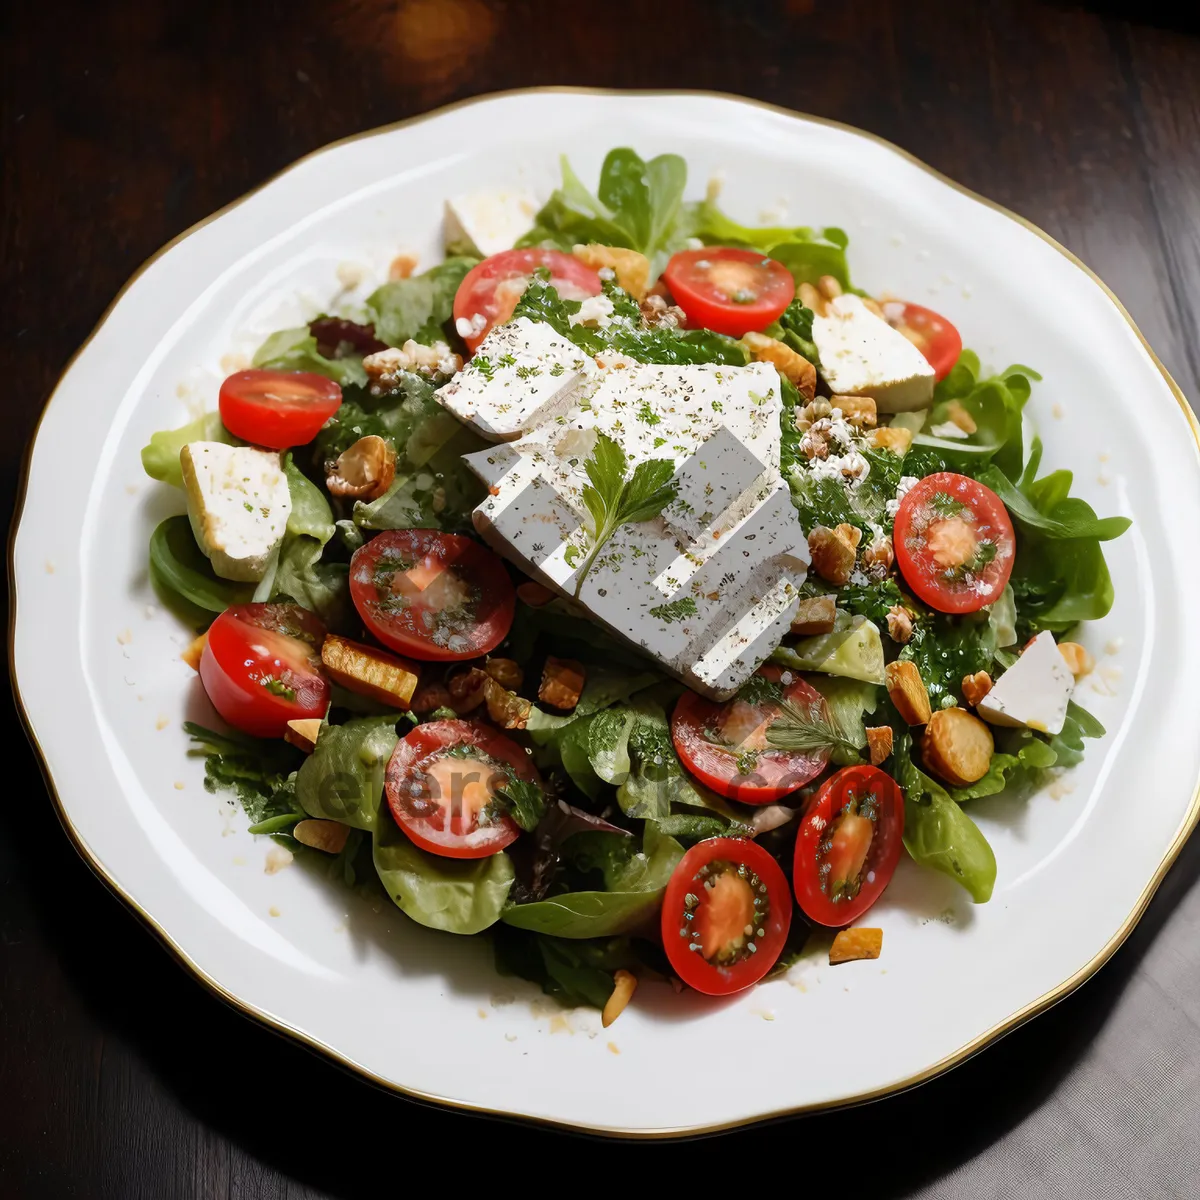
(975, 687)
(853, 944)
(363, 471)
(899, 624)
(857, 410)
(833, 552)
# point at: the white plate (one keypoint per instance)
(104, 690)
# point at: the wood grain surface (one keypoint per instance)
(123, 122)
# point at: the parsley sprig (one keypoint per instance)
(616, 496)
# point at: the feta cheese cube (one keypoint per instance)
(521, 375)
(1034, 691)
(862, 355)
(486, 222)
(238, 503)
(708, 587)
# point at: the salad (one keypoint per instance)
(629, 588)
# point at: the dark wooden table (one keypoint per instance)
(124, 122)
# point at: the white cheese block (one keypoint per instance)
(1034, 692)
(521, 375)
(238, 503)
(709, 587)
(489, 221)
(862, 355)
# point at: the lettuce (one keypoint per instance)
(296, 350)
(420, 307)
(160, 459)
(342, 780)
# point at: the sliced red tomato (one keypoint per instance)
(440, 780)
(732, 291)
(435, 596)
(278, 408)
(954, 542)
(261, 667)
(725, 745)
(930, 332)
(725, 915)
(490, 291)
(848, 845)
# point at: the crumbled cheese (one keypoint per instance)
(607, 273)
(850, 468)
(471, 327)
(902, 490)
(614, 360)
(595, 311)
(385, 366)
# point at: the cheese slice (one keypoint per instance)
(862, 355)
(709, 586)
(238, 503)
(1034, 692)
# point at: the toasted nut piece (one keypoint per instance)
(430, 696)
(815, 615)
(849, 533)
(402, 266)
(467, 690)
(534, 594)
(833, 553)
(195, 651)
(631, 268)
(958, 746)
(505, 672)
(789, 363)
(376, 673)
(624, 985)
(890, 438)
(879, 555)
(811, 298)
(975, 687)
(907, 690)
(329, 836)
(506, 708)
(562, 682)
(958, 415)
(829, 287)
(303, 733)
(1079, 661)
(812, 412)
(858, 410)
(658, 311)
(364, 470)
(899, 624)
(879, 743)
(853, 944)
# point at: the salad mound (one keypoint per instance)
(630, 586)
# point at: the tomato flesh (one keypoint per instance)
(261, 667)
(440, 780)
(930, 332)
(489, 292)
(726, 915)
(848, 845)
(726, 746)
(432, 595)
(954, 542)
(277, 408)
(728, 289)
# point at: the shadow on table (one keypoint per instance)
(301, 1115)
(1163, 14)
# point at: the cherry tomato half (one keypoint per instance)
(732, 291)
(725, 745)
(440, 779)
(954, 542)
(278, 408)
(848, 845)
(491, 290)
(435, 596)
(261, 667)
(725, 915)
(930, 332)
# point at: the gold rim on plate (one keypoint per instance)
(276, 1024)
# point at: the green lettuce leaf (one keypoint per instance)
(420, 307)
(296, 350)
(342, 779)
(578, 973)
(179, 567)
(160, 459)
